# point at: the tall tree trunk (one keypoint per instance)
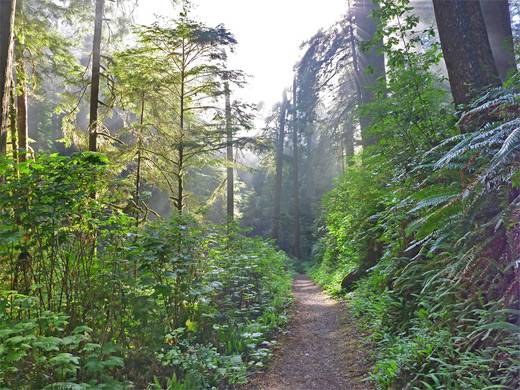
(466, 49)
(365, 31)
(229, 157)
(137, 194)
(12, 125)
(355, 63)
(94, 87)
(498, 23)
(296, 185)
(7, 13)
(180, 149)
(348, 138)
(23, 129)
(279, 171)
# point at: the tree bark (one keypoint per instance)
(296, 185)
(7, 13)
(466, 48)
(365, 31)
(12, 126)
(229, 157)
(279, 172)
(94, 87)
(180, 148)
(349, 139)
(23, 130)
(137, 194)
(498, 23)
(21, 99)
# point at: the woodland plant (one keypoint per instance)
(442, 299)
(89, 300)
(441, 210)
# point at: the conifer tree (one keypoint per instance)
(7, 12)
(498, 23)
(466, 48)
(230, 199)
(279, 169)
(370, 64)
(96, 68)
(191, 58)
(296, 185)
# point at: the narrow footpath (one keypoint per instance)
(321, 350)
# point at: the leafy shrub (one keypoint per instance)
(89, 300)
(441, 301)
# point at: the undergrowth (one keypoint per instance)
(441, 298)
(89, 301)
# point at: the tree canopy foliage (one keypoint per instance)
(389, 172)
(422, 229)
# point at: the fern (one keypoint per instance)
(511, 144)
(442, 196)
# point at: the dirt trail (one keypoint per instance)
(321, 350)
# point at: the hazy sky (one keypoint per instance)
(269, 33)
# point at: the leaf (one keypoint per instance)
(89, 347)
(81, 329)
(511, 142)
(94, 365)
(15, 356)
(113, 361)
(235, 360)
(192, 326)
(64, 359)
(14, 340)
(109, 348)
(48, 343)
(506, 326)
(64, 386)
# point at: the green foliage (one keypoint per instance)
(36, 348)
(90, 301)
(179, 66)
(440, 213)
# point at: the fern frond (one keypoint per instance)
(447, 141)
(487, 136)
(511, 143)
(433, 201)
(440, 242)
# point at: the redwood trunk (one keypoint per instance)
(349, 140)
(137, 194)
(229, 157)
(180, 149)
(22, 126)
(296, 185)
(94, 88)
(498, 23)
(12, 126)
(7, 12)
(279, 172)
(466, 48)
(23, 131)
(366, 29)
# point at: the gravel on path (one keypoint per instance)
(322, 349)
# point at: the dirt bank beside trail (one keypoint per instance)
(321, 349)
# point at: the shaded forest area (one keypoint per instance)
(139, 250)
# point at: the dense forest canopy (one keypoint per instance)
(138, 249)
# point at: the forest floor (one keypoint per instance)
(321, 350)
